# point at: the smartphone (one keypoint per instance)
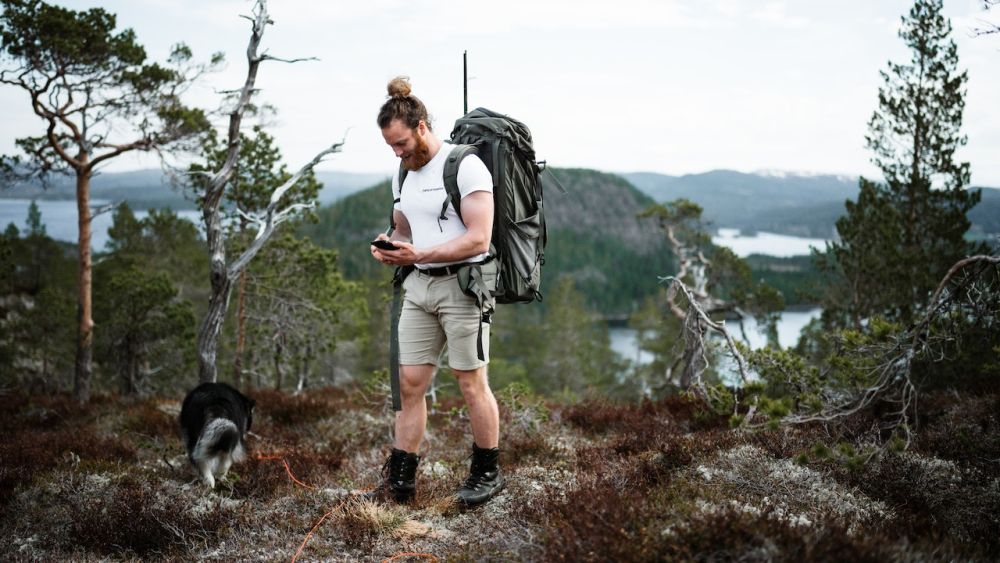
(384, 244)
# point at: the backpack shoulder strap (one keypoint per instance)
(392, 218)
(458, 153)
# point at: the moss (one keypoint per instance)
(31, 452)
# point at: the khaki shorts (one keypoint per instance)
(436, 312)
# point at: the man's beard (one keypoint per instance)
(420, 156)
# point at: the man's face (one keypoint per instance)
(409, 145)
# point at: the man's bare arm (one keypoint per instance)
(477, 211)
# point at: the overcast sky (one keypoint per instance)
(670, 86)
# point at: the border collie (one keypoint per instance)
(214, 418)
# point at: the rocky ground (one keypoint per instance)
(591, 481)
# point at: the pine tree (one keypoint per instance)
(99, 98)
(35, 225)
(901, 236)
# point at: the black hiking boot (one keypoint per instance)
(399, 477)
(485, 479)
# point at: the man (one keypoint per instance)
(435, 311)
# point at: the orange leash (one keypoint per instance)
(287, 469)
(316, 525)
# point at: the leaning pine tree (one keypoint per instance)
(900, 237)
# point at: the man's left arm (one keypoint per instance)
(477, 211)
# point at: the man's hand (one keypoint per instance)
(405, 256)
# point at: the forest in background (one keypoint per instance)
(892, 392)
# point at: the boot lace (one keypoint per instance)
(477, 474)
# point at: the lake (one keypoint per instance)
(624, 340)
(771, 244)
(59, 218)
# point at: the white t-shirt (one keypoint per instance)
(424, 194)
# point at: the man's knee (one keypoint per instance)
(473, 383)
(413, 380)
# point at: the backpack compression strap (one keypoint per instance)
(395, 309)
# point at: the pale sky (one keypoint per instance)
(670, 86)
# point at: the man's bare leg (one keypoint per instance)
(483, 412)
(412, 420)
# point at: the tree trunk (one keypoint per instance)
(241, 322)
(278, 349)
(304, 364)
(85, 322)
(129, 386)
(211, 326)
(218, 303)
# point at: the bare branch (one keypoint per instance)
(273, 217)
(958, 266)
(142, 144)
(260, 20)
(266, 57)
(95, 211)
(706, 321)
(891, 376)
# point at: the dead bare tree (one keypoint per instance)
(224, 274)
(697, 323)
(892, 375)
(681, 222)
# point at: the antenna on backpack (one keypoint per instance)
(465, 82)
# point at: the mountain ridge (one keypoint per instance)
(783, 202)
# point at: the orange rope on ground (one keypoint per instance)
(398, 555)
(287, 468)
(310, 487)
(316, 525)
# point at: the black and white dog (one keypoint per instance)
(214, 419)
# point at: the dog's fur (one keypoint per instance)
(214, 420)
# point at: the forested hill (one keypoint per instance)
(787, 203)
(594, 236)
(800, 205)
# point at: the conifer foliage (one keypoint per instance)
(901, 236)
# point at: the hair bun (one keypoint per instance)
(399, 87)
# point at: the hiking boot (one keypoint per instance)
(399, 477)
(485, 479)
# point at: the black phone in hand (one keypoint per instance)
(384, 244)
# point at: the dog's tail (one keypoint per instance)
(220, 436)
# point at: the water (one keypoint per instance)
(624, 340)
(771, 244)
(60, 219)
